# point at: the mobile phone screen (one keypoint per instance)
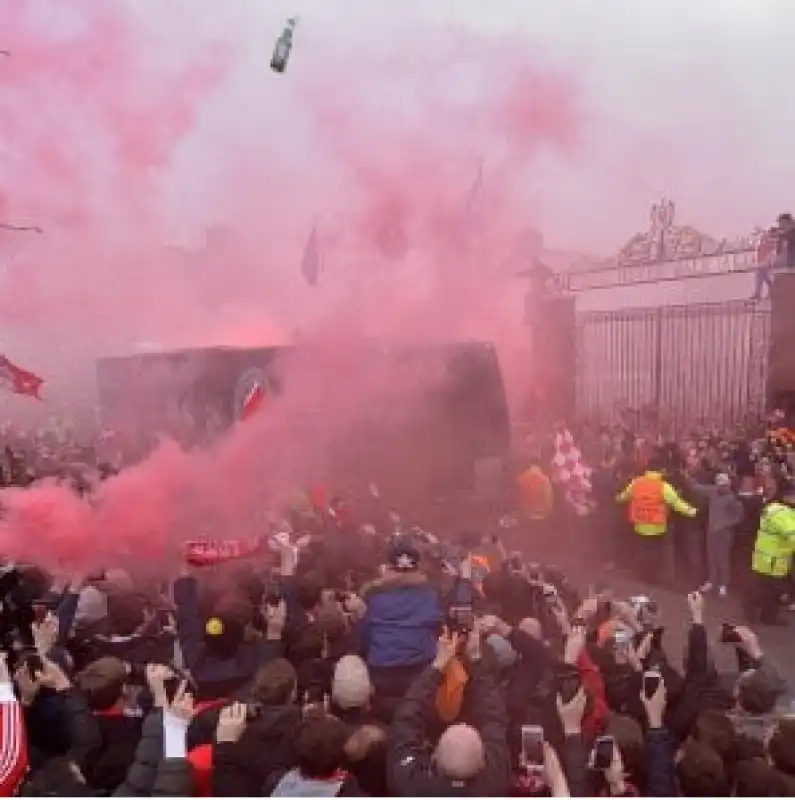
(568, 687)
(651, 682)
(603, 753)
(533, 746)
(171, 685)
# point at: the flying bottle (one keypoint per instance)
(284, 44)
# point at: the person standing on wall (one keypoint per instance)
(651, 499)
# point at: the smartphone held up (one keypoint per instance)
(532, 756)
(728, 634)
(603, 753)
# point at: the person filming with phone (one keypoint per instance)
(470, 759)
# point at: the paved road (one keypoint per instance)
(777, 642)
(674, 615)
(559, 546)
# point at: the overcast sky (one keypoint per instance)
(585, 113)
(691, 100)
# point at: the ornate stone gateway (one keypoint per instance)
(666, 252)
(654, 350)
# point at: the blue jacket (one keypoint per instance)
(402, 622)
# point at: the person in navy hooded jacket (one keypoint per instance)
(404, 616)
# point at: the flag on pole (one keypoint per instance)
(19, 381)
(253, 402)
(311, 261)
(468, 214)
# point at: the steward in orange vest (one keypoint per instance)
(651, 499)
(535, 493)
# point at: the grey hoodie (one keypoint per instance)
(293, 784)
(725, 508)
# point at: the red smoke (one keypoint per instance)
(111, 133)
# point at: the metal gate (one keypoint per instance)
(689, 365)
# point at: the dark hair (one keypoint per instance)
(714, 729)
(320, 746)
(656, 463)
(308, 590)
(781, 746)
(56, 777)
(631, 743)
(126, 613)
(756, 778)
(757, 693)
(366, 757)
(700, 771)
(102, 683)
(274, 683)
(234, 613)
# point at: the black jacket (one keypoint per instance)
(410, 769)
(103, 746)
(265, 748)
(142, 774)
(701, 690)
(574, 760)
(215, 676)
(174, 778)
(660, 768)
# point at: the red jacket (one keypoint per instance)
(13, 743)
(594, 723)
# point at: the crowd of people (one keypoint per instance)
(340, 658)
(373, 660)
(691, 511)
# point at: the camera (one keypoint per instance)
(645, 608)
(273, 597)
(17, 613)
(728, 634)
(549, 592)
(514, 562)
(461, 619)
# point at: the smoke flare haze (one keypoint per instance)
(176, 179)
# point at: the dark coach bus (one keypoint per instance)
(432, 441)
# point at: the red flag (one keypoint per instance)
(253, 402)
(18, 380)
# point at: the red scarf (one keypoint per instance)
(207, 553)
